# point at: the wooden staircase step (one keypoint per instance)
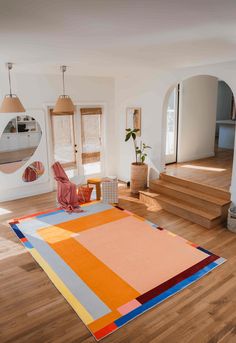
(189, 191)
(149, 198)
(208, 190)
(183, 209)
(186, 206)
(195, 197)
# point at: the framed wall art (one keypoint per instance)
(133, 119)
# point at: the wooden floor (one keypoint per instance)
(215, 171)
(16, 155)
(32, 310)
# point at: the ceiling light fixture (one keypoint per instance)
(64, 104)
(11, 103)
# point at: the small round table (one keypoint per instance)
(97, 183)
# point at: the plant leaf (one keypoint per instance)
(127, 136)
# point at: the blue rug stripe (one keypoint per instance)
(204, 250)
(28, 245)
(220, 260)
(173, 290)
(153, 226)
(17, 231)
(49, 214)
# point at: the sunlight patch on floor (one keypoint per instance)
(4, 211)
(191, 166)
(9, 248)
(92, 168)
(129, 198)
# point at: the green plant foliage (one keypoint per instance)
(140, 149)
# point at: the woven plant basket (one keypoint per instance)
(139, 173)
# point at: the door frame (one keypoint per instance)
(78, 105)
(78, 139)
(69, 164)
(177, 126)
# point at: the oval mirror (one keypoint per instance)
(33, 172)
(18, 142)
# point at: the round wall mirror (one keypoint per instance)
(18, 142)
(33, 172)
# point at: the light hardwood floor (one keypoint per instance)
(214, 171)
(32, 310)
(16, 155)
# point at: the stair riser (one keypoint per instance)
(196, 186)
(183, 213)
(200, 203)
(190, 216)
(147, 200)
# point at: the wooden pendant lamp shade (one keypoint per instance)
(11, 103)
(64, 104)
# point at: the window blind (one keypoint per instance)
(60, 114)
(91, 134)
(91, 110)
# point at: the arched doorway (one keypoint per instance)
(199, 115)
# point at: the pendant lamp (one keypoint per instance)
(11, 103)
(64, 104)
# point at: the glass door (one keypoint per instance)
(172, 127)
(64, 147)
(91, 141)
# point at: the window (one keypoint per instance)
(91, 140)
(63, 139)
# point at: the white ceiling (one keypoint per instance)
(111, 37)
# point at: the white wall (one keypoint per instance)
(36, 92)
(197, 118)
(151, 92)
(144, 93)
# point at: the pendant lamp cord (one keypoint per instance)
(63, 82)
(63, 68)
(9, 66)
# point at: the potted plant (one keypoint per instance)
(139, 169)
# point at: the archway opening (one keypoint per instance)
(200, 131)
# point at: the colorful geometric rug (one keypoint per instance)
(109, 264)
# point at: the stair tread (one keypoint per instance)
(182, 208)
(189, 183)
(149, 192)
(194, 193)
(186, 206)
